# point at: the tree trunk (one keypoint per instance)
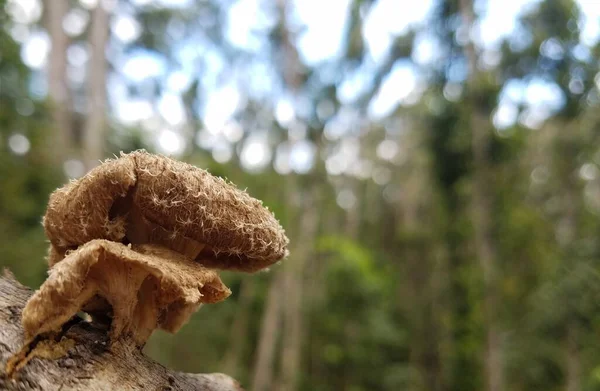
(482, 200)
(269, 334)
(353, 215)
(83, 359)
(58, 89)
(573, 359)
(292, 329)
(419, 291)
(292, 73)
(94, 134)
(291, 353)
(239, 328)
(570, 225)
(424, 337)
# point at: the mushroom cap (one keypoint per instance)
(182, 200)
(181, 285)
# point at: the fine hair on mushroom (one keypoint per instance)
(140, 239)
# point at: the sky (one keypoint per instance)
(319, 40)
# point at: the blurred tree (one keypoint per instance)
(58, 87)
(26, 175)
(94, 132)
(482, 203)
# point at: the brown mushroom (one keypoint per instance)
(142, 197)
(135, 239)
(147, 287)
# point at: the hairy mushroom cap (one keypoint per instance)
(146, 198)
(147, 287)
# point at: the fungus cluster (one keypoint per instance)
(140, 238)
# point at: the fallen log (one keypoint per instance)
(82, 357)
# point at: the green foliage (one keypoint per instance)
(356, 331)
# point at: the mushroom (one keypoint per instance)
(139, 238)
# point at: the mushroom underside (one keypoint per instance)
(147, 286)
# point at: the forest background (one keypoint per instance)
(435, 164)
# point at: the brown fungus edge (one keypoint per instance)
(147, 287)
(183, 207)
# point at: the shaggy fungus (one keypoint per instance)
(138, 239)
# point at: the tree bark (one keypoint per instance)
(269, 334)
(88, 361)
(58, 89)
(94, 132)
(485, 246)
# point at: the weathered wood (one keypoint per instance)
(88, 361)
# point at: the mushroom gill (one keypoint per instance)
(147, 286)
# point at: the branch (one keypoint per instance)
(86, 361)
